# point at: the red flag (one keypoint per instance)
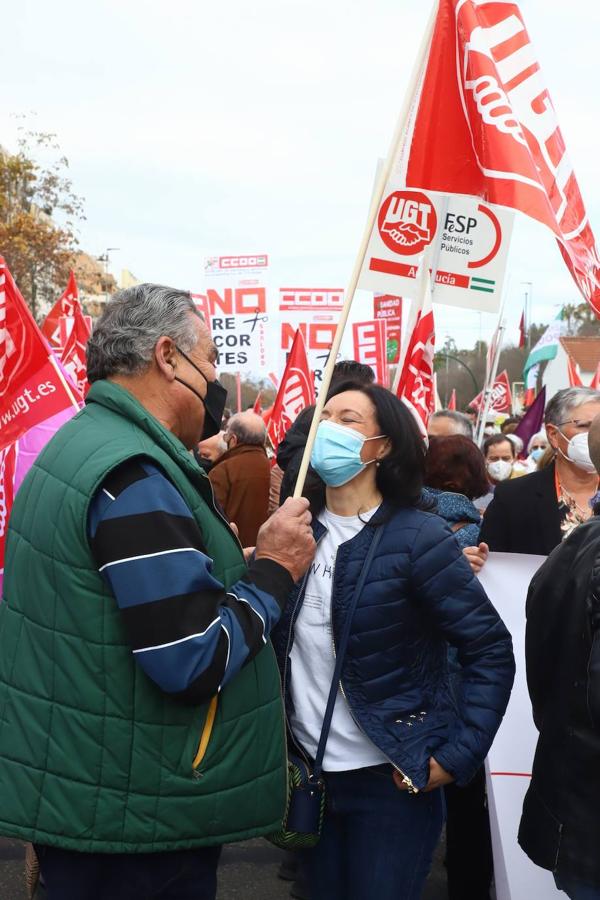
(596, 380)
(257, 408)
(66, 305)
(501, 397)
(296, 392)
(415, 387)
(31, 388)
(73, 357)
(572, 371)
(452, 401)
(485, 126)
(522, 331)
(8, 458)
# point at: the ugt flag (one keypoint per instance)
(65, 306)
(416, 384)
(500, 398)
(485, 126)
(74, 355)
(31, 388)
(296, 391)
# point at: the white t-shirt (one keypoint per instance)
(313, 660)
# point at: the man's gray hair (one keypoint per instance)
(125, 335)
(559, 409)
(462, 422)
(249, 428)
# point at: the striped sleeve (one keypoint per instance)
(187, 632)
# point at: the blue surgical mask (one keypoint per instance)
(336, 453)
(537, 454)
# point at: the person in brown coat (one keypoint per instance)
(241, 478)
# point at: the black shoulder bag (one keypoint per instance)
(303, 819)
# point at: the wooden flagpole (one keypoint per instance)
(381, 182)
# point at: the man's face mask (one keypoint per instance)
(214, 402)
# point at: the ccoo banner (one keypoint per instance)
(468, 242)
(236, 305)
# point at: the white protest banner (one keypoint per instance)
(316, 312)
(505, 578)
(370, 347)
(469, 241)
(237, 306)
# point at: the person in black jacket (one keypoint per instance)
(533, 514)
(290, 450)
(560, 826)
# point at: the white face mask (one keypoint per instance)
(578, 452)
(500, 470)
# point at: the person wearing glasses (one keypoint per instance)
(535, 513)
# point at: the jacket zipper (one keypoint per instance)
(205, 735)
(405, 779)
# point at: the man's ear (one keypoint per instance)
(165, 357)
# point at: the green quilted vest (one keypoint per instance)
(93, 756)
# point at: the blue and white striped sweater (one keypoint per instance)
(187, 632)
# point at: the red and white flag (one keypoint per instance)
(31, 388)
(74, 355)
(65, 306)
(573, 372)
(596, 380)
(485, 126)
(296, 391)
(416, 384)
(257, 408)
(500, 398)
(452, 401)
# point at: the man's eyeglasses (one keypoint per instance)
(580, 426)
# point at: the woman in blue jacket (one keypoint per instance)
(397, 735)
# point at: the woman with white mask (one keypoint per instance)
(535, 513)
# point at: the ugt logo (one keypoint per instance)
(407, 222)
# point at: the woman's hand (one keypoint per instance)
(438, 777)
(476, 557)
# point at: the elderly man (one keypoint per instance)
(560, 827)
(447, 422)
(140, 722)
(535, 513)
(241, 477)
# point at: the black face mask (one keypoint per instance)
(214, 402)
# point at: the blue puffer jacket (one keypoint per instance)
(419, 594)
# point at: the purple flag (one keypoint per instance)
(532, 421)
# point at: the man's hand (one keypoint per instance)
(477, 556)
(287, 537)
(438, 777)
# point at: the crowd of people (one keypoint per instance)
(170, 626)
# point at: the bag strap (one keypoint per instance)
(341, 652)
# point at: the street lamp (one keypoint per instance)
(528, 308)
(105, 258)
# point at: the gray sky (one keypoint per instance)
(195, 126)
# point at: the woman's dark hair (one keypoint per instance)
(455, 463)
(494, 439)
(399, 475)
